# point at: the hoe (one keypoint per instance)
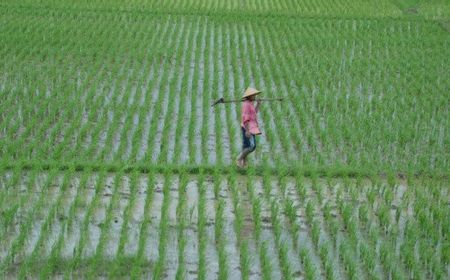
(221, 100)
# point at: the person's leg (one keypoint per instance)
(249, 148)
(240, 161)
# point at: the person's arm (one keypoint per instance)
(257, 105)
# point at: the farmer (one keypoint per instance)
(249, 125)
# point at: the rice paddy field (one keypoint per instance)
(113, 164)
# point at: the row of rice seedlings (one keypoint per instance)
(171, 116)
(256, 201)
(80, 249)
(143, 107)
(217, 88)
(182, 223)
(192, 132)
(99, 254)
(139, 264)
(230, 89)
(209, 155)
(185, 98)
(239, 221)
(202, 235)
(219, 233)
(120, 258)
(212, 139)
(163, 229)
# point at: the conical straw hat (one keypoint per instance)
(249, 92)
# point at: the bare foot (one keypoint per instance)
(240, 163)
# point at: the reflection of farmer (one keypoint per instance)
(249, 125)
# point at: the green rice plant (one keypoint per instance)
(182, 223)
(78, 255)
(266, 265)
(237, 199)
(315, 232)
(170, 116)
(201, 227)
(349, 262)
(54, 263)
(327, 260)
(163, 229)
(105, 226)
(136, 270)
(134, 181)
(183, 98)
(310, 269)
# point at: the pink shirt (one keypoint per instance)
(249, 115)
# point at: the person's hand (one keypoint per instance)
(248, 134)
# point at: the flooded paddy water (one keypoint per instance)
(135, 218)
